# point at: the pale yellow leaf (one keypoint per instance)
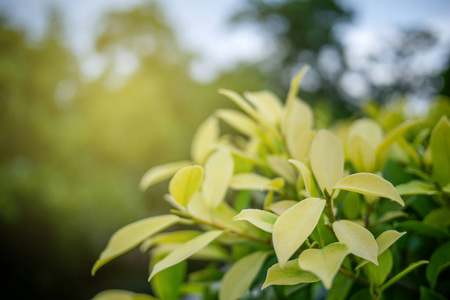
(238, 121)
(185, 183)
(327, 159)
(268, 105)
(308, 179)
(325, 262)
(360, 240)
(416, 187)
(440, 151)
(369, 184)
(121, 295)
(185, 251)
(218, 172)
(292, 94)
(290, 275)
(387, 238)
(302, 148)
(241, 275)
(132, 235)
(367, 129)
(294, 226)
(161, 173)
(180, 236)
(282, 167)
(281, 206)
(260, 218)
(361, 154)
(299, 122)
(250, 181)
(204, 140)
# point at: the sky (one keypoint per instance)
(201, 26)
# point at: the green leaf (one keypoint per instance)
(268, 105)
(132, 235)
(185, 251)
(327, 159)
(299, 122)
(292, 95)
(302, 148)
(387, 239)
(362, 154)
(341, 288)
(208, 253)
(397, 277)
(440, 259)
(260, 218)
(352, 206)
(218, 172)
(238, 121)
(378, 274)
(185, 183)
(440, 151)
(424, 229)
(290, 275)
(390, 215)
(440, 217)
(308, 179)
(281, 206)
(281, 166)
(369, 184)
(294, 226)
(325, 262)
(121, 295)
(360, 240)
(241, 275)
(416, 187)
(180, 236)
(160, 173)
(167, 283)
(428, 294)
(250, 181)
(204, 139)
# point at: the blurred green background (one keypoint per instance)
(78, 128)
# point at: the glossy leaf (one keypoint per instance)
(359, 240)
(250, 181)
(204, 139)
(440, 151)
(416, 187)
(241, 275)
(121, 295)
(185, 183)
(218, 172)
(160, 173)
(132, 235)
(238, 121)
(294, 226)
(327, 159)
(185, 251)
(281, 206)
(440, 260)
(325, 262)
(308, 179)
(369, 184)
(260, 218)
(290, 275)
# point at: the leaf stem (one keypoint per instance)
(329, 206)
(353, 276)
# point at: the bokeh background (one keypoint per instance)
(94, 93)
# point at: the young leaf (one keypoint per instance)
(325, 262)
(416, 187)
(397, 277)
(180, 236)
(238, 121)
(440, 259)
(369, 184)
(268, 105)
(281, 166)
(290, 275)
(260, 218)
(308, 179)
(131, 235)
(299, 122)
(294, 226)
(250, 181)
(387, 238)
(121, 295)
(281, 206)
(440, 151)
(185, 183)
(361, 153)
(378, 274)
(218, 172)
(367, 129)
(203, 140)
(185, 251)
(360, 240)
(161, 173)
(240, 276)
(327, 159)
(292, 95)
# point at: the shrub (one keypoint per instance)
(283, 211)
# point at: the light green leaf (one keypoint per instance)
(292, 95)
(424, 229)
(268, 105)
(218, 172)
(185, 183)
(131, 235)
(238, 121)
(290, 275)
(300, 121)
(250, 181)
(390, 215)
(303, 146)
(260, 218)
(397, 277)
(180, 236)
(362, 154)
(446, 188)
(204, 139)
(281, 206)
(440, 260)
(185, 251)
(167, 283)
(416, 187)
(360, 240)
(241, 275)
(282, 167)
(325, 262)
(367, 129)
(294, 226)
(440, 151)
(387, 238)
(429, 294)
(369, 184)
(327, 159)
(121, 295)
(308, 179)
(378, 274)
(208, 253)
(440, 216)
(160, 173)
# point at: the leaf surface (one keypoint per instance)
(281, 206)
(238, 121)
(205, 137)
(290, 275)
(416, 187)
(308, 178)
(160, 173)
(378, 274)
(260, 218)
(282, 167)
(440, 260)
(185, 183)
(440, 151)
(250, 181)
(121, 295)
